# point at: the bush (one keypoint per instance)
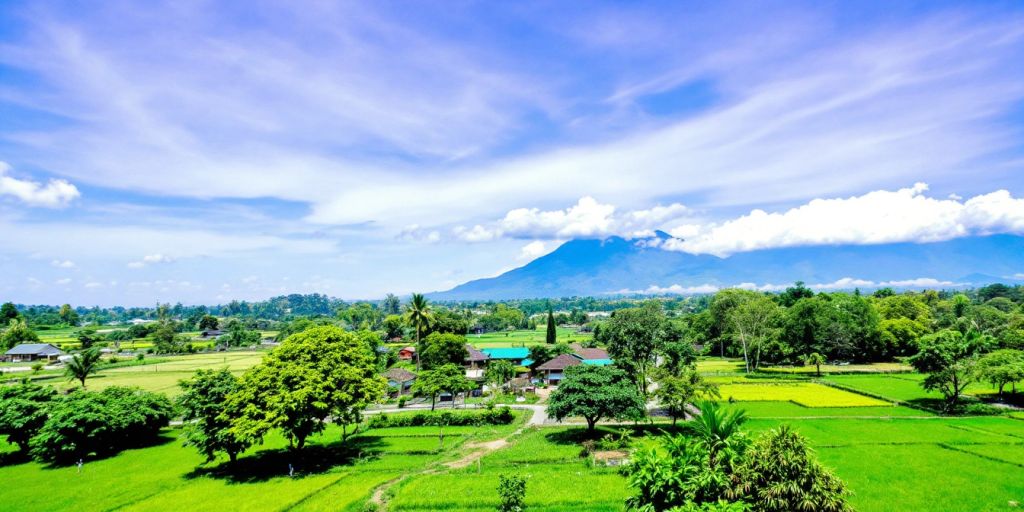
(977, 409)
(512, 493)
(497, 416)
(85, 423)
(401, 401)
(140, 356)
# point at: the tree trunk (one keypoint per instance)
(817, 368)
(433, 399)
(590, 424)
(232, 456)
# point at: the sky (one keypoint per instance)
(201, 152)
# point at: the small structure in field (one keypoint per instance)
(27, 352)
(400, 379)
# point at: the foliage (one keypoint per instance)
(718, 429)
(447, 377)
(675, 391)
(86, 423)
(419, 315)
(1001, 367)
(17, 332)
(551, 335)
(496, 416)
(815, 359)
(207, 420)
(439, 349)
(320, 372)
(511, 493)
(635, 337)
(207, 322)
(8, 312)
(498, 373)
(681, 472)
(82, 365)
(780, 473)
(949, 358)
(596, 392)
(23, 411)
(754, 323)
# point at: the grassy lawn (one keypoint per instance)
(524, 338)
(163, 377)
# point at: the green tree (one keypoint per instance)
(817, 360)
(206, 417)
(239, 336)
(449, 377)
(511, 493)
(17, 332)
(82, 365)
(208, 323)
(498, 373)
(719, 430)
(391, 305)
(1002, 367)
(439, 349)
(596, 392)
(8, 312)
(949, 358)
(675, 391)
(419, 315)
(68, 315)
(315, 374)
(678, 475)
(393, 326)
(635, 337)
(551, 337)
(780, 473)
(23, 411)
(754, 323)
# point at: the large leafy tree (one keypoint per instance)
(315, 374)
(391, 304)
(82, 365)
(949, 358)
(439, 349)
(208, 322)
(780, 473)
(596, 392)
(449, 377)
(634, 337)
(1002, 367)
(498, 373)
(17, 332)
(23, 411)
(8, 312)
(207, 419)
(419, 315)
(754, 323)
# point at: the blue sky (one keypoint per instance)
(208, 151)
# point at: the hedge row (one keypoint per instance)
(496, 416)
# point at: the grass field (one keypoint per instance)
(802, 393)
(524, 337)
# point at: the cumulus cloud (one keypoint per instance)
(151, 259)
(63, 263)
(56, 193)
(588, 218)
(905, 215)
(537, 248)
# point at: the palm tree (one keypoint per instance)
(419, 315)
(82, 365)
(816, 359)
(717, 428)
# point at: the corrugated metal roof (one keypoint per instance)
(518, 353)
(598, 362)
(27, 349)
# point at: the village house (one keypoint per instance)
(407, 353)
(27, 352)
(476, 363)
(400, 379)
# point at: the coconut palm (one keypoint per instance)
(718, 429)
(82, 365)
(419, 315)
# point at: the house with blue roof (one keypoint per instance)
(514, 355)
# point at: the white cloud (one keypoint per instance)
(537, 248)
(905, 215)
(56, 193)
(415, 233)
(588, 218)
(64, 281)
(151, 259)
(63, 263)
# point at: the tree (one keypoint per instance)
(393, 326)
(498, 373)
(634, 337)
(949, 358)
(23, 411)
(677, 350)
(596, 392)
(82, 365)
(86, 337)
(206, 417)
(754, 323)
(419, 316)
(8, 312)
(817, 360)
(447, 377)
(315, 374)
(239, 336)
(391, 305)
(780, 473)
(68, 315)
(439, 349)
(18, 332)
(719, 430)
(675, 391)
(552, 334)
(511, 493)
(208, 323)
(1002, 367)
(101, 423)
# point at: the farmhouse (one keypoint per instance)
(552, 371)
(32, 352)
(475, 363)
(589, 354)
(211, 333)
(407, 353)
(400, 379)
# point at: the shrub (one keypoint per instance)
(140, 356)
(977, 409)
(401, 402)
(497, 416)
(87, 423)
(512, 493)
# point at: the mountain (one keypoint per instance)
(617, 265)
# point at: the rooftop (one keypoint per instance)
(517, 353)
(561, 362)
(26, 349)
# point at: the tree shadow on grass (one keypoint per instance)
(14, 458)
(311, 460)
(70, 460)
(579, 435)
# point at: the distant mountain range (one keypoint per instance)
(619, 266)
